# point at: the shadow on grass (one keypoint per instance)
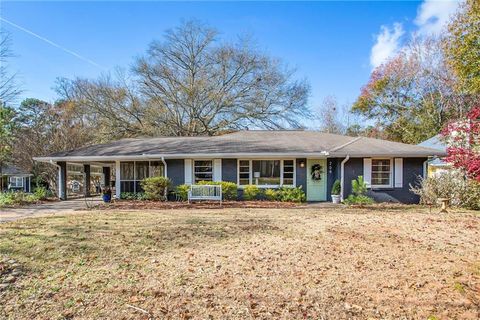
(117, 236)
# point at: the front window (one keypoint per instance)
(133, 172)
(266, 173)
(381, 173)
(203, 170)
(16, 182)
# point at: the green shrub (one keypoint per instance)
(155, 188)
(361, 200)
(7, 198)
(271, 194)
(41, 193)
(18, 197)
(291, 194)
(251, 192)
(336, 188)
(182, 191)
(229, 189)
(359, 196)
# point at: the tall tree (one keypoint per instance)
(330, 116)
(412, 96)
(7, 128)
(9, 88)
(45, 128)
(191, 83)
(462, 46)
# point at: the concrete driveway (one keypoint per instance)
(10, 214)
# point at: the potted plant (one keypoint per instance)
(336, 188)
(107, 194)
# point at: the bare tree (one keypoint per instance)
(9, 89)
(193, 84)
(332, 117)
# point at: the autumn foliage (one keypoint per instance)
(463, 138)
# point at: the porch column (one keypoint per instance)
(117, 179)
(106, 176)
(62, 180)
(86, 181)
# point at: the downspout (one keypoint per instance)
(425, 168)
(166, 176)
(59, 177)
(342, 174)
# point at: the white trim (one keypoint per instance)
(193, 169)
(398, 169)
(117, 179)
(17, 178)
(188, 171)
(265, 186)
(367, 172)
(217, 170)
(380, 186)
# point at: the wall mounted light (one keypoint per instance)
(302, 164)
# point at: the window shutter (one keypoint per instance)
(398, 172)
(188, 171)
(217, 170)
(367, 171)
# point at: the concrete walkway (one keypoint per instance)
(10, 214)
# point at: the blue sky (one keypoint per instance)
(332, 44)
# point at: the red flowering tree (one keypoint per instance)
(463, 139)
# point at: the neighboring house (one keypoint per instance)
(15, 179)
(269, 159)
(436, 165)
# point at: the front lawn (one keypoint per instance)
(242, 263)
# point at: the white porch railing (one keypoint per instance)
(205, 192)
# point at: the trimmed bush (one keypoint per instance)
(16, 197)
(251, 192)
(182, 191)
(289, 194)
(155, 188)
(271, 194)
(229, 189)
(360, 199)
(336, 188)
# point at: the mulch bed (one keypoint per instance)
(140, 205)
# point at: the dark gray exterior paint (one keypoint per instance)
(63, 182)
(176, 171)
(412, 169)
(301, 174)
(333, 173)
(229, 170)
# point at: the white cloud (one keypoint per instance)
(433, 15)
(387, 44)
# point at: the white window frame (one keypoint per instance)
(194, 180)
(15, 185)
(271, 186)
(380, 186)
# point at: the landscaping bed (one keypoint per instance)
(161, 205)
(241, 263)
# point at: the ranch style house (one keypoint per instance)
(268, 159)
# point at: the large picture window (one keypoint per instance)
(203, 170)
(266, 173)
(381, 173)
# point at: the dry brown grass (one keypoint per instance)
(377, 263)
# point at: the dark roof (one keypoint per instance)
(251, 142)
(9, 170)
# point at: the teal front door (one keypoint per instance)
(316, 183)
